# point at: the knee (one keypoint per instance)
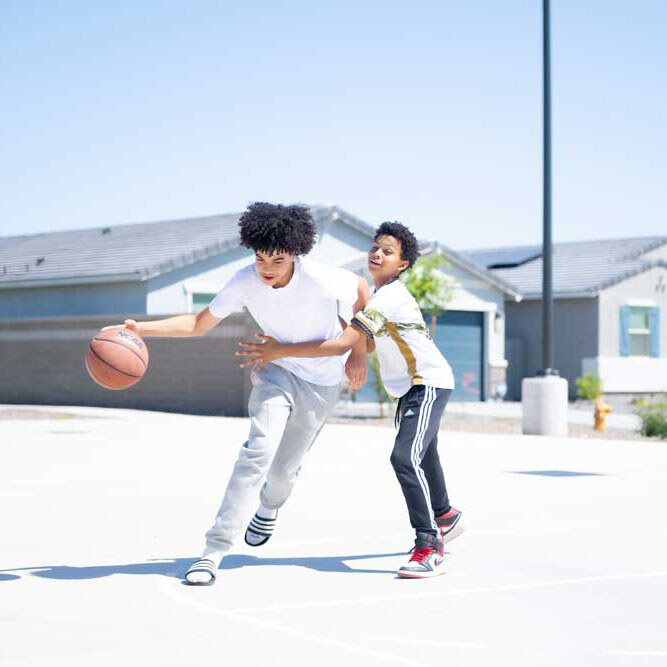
(252, 461)
(400, 460)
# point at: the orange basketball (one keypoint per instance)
(117, 358)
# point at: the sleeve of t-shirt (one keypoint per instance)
(374, 316)
(340, 284)
(230, 299)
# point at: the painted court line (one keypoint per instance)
(656, 654)
(535, 585)
(238, 617)
(426, 642)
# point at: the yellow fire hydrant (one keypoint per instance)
(601, 412)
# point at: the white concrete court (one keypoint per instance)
(101, 515)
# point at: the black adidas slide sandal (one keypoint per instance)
(260, 527)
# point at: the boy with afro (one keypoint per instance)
(292, 299)
(414, 371)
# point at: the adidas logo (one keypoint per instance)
(408, 413)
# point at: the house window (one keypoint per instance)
(200, 300)
(640, 332)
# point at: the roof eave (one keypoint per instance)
(577, 294)
(480, 272)
(65, 281)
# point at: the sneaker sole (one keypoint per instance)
(414, 575)
(457, 530)
(256, 544)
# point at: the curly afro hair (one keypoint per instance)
(274, 228)
(409, 245)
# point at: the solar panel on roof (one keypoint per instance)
(505, 258)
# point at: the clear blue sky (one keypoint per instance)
(425, 112)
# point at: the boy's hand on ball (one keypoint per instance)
(131, 325)
(259, 354)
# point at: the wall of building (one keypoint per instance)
(171, 292)
(474, 294)
(112, 299)
(340, 244)
(646, 289)
(575, 337)
(659, 253)
(42, 362)
(631, 374)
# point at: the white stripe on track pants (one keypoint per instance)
(415, 455)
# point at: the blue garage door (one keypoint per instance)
(459, 335)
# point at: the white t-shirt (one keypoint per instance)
(407, 353)
(306, 309)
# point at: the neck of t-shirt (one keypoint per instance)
(391, 280)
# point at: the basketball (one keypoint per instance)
(117, 358)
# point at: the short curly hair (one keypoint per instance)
(409, 245)
(274, 228)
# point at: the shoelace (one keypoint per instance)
(420, 555)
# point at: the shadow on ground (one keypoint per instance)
(176, 567)
(557, 473)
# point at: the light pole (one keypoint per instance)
(547, 251)
(544, 398)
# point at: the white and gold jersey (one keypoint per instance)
(407, 354)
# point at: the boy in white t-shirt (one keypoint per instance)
(292, 299)
(414, 371)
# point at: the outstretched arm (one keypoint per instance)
(270, 350)
(195, 324)
(356, 366)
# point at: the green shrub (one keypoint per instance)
(589, 387)
(654, 419)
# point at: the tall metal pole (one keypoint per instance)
(547, 251)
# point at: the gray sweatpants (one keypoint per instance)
(286, 415)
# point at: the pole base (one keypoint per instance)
(544, 402)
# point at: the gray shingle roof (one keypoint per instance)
(580, 268)
(359, 265)
(128, 252)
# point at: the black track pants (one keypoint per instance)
(415, 456)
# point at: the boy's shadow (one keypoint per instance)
(176, 567)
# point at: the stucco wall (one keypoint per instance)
(649, 289)
(73, 300)
(170, 292)
(575, 337)
(656, 254)
(42, 363)
(628, 375)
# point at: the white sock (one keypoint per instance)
(266, 513)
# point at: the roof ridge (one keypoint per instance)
(650, 240)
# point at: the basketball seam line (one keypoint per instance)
(110, 366)
(129, 349)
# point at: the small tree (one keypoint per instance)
(430, 287)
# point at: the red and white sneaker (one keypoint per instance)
(450, 525)
(426, 560)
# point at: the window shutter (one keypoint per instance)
(654, 323)
(625, 332)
